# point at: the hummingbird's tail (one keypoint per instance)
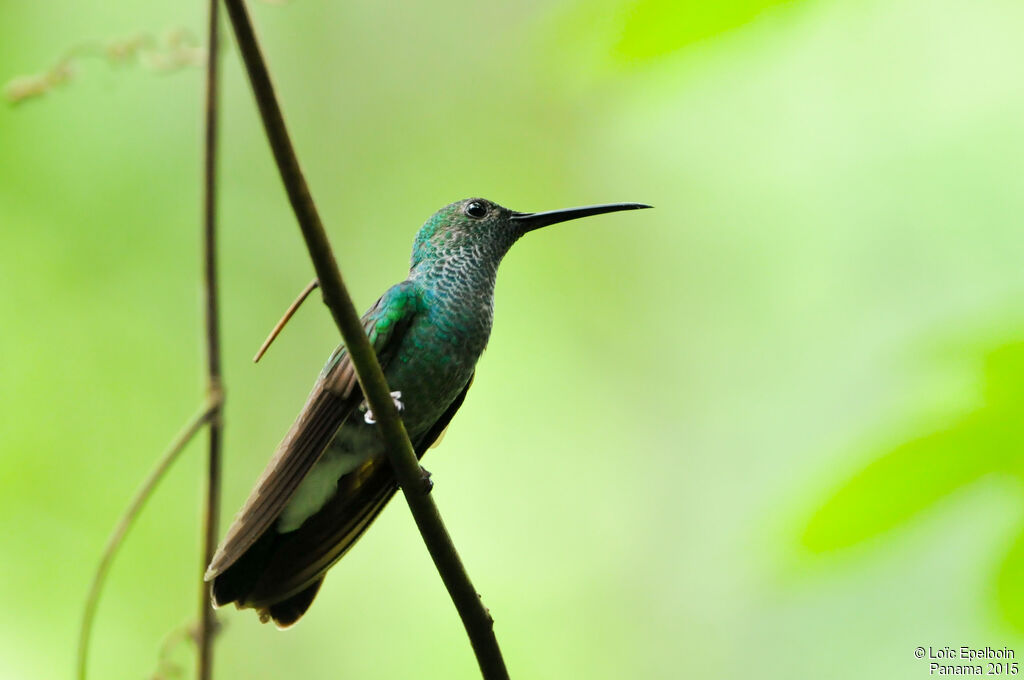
(287, 612)
(280, 574)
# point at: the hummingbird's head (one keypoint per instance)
(474, 226)
(484, 230)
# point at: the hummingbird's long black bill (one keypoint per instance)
(531, 221)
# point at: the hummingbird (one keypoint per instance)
(330, 477)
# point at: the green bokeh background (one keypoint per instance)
(771, 429)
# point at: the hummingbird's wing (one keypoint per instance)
(291, 575)
(334, 396)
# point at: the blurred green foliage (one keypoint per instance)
(657, 27)
(912, 477)
(837, 186)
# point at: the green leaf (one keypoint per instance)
(656, 27)
(910, 478)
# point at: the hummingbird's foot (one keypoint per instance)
(425, 476)
(396, 397)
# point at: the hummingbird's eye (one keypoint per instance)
(476, 209)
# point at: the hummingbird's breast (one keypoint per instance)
(436, 360)
(440, 349)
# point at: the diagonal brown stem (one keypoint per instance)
(310, 287)
(128, 518)
(475, 617)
